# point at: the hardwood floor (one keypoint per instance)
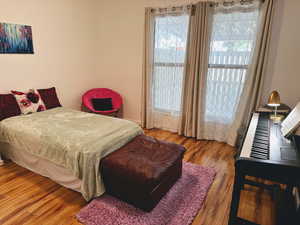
(27, 198)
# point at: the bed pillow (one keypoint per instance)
(8, 106)
(49, 97)
(29, 102)
(102, 104)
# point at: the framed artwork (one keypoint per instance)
(15, 39)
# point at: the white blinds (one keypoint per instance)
(232, 45)
(169, 57)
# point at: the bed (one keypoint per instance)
(88, 152)
(65, 145)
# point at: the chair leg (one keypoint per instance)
(115, 114)
(85, 109)
(120, 112)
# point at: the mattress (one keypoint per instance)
(41, 166)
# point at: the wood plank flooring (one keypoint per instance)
(28, 198)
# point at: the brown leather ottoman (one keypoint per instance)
(142, 171)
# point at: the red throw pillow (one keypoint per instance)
(49, 97)
(29, 102)
(8, 106)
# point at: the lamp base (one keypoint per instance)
(276, 118)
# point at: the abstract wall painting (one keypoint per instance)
(15, 38)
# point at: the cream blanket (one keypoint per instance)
(72, 139)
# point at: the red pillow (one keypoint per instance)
(8, 106)
(49, 98)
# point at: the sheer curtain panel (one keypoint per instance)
(231, 49)
(221, 47)
(165, 60)
(251, 95)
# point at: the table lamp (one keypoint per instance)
(274, 101)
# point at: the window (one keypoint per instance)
(169, 59)
(232, 43)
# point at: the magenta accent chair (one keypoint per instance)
(117, 101)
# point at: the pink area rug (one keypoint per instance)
(178, 207)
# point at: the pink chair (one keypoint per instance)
(117, 101)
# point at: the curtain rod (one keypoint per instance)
(231, 3)
(173, 8)
(214, 3)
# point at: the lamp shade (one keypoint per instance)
(274, 99)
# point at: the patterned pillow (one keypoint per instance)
(29, 102)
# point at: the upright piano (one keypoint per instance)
(266, 153)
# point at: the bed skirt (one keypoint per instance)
(42, 167)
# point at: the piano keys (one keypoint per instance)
(257, 141)
(265, 153)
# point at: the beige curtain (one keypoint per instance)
(251, 96)
(147, 120)
(196, 70)
(157, 74)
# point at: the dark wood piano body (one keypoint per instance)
(266, 154)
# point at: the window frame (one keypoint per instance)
(167, 64)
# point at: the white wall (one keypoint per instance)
(64, 36)
(121, 43)
(120, 51)
(283, 72)
(81, 44)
